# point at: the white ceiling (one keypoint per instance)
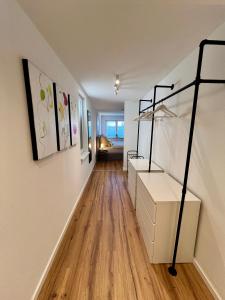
(142, 40)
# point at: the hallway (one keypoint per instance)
(103, 257)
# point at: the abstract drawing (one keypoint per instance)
(62, 117)
(73, 120)
(40, 100)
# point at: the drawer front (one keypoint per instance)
(132, 192)
(144, 221)
(129, 167)
(131, 174)
(143, 196)
(149, 247)
(147, 233)
(129, 177)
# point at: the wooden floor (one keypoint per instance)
(103, 256)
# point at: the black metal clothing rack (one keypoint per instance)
(196, 83)
(143, 110)
(135, 153)
(153, 119)
(139, 112)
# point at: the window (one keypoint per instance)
(81, 121)
(115, 129)
(120, 129)
(111, 129)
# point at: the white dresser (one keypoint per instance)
(134, 167)
(157, 208)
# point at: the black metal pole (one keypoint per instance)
(153, 119)
(139, 111)
(146, 100)
(212, 81)
(152, 131)
(214, 42)
(172, 269)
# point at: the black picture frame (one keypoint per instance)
(73, 120)
(39, 99)
(62, 117)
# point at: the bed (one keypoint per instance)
(109, 149)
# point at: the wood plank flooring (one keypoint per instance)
(102, 255)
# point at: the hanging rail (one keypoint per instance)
(215, 81)
(175, 93)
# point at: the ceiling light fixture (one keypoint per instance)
(117, 80)
(117, 84)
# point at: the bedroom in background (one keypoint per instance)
(110, 138)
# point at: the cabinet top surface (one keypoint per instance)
(143, 165)
(163, 188)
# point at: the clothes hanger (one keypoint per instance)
(147, 116)
(167, 111)
(142, 117)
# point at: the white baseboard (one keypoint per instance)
(207, 281)
(55, 250)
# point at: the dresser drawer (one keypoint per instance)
(147, 235)
(146, 201)
(145, 222)
(131, 174)
(132, 192)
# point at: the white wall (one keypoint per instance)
(36, 198)
(207, 169)
(130, 128)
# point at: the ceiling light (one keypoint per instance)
(117, 84)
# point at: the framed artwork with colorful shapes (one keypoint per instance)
(73, 120)
(41, 110)
(62, 117)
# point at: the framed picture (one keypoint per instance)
(62, 117)
(89, 127)
(73, 120)
(41, 109)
